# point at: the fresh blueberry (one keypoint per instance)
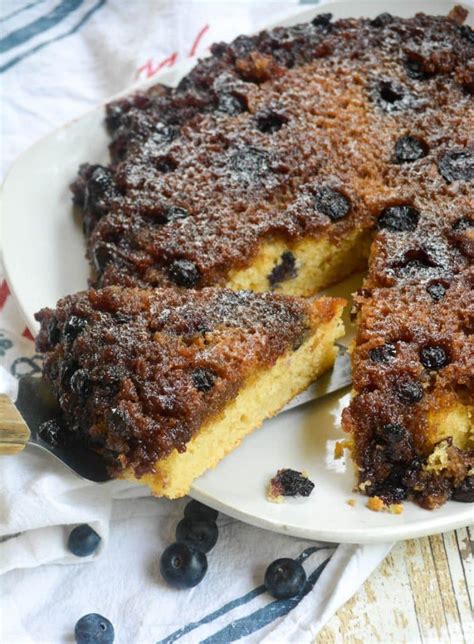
(183, 566)
(196, 510)
(94, 629)
(285, 578)
(83, 541)
(200, 533)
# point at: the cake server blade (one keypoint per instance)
(36, 403)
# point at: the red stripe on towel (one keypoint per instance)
(27, 334)
(197, 40)
(4, 293)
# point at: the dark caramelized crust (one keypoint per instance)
(137, 372)
(299, 132)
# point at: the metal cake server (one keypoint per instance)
(20, 421)
(35, 404)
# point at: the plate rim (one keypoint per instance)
(383, 534)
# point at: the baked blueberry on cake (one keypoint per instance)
(165, 382)
(287, 160)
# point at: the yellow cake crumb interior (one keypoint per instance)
(455, 421)
(262, 396)
(318, 263)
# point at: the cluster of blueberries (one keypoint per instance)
(183, 564)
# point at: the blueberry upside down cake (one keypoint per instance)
(284, 162)
(165, 382)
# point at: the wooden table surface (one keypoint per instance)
(422, 592)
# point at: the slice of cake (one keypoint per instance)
(165, 382)
(412, 417)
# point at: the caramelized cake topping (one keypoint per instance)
(311, 131)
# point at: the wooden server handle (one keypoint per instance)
(14, 432)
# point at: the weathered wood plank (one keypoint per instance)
(446, 588)
(373, 614)
(465, 543)
(456, 560)
(421, 593)
(425, 589)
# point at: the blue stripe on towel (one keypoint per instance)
(81, 22)
(235, 603)
(264, 616)
(212, 616)
(50, 20)
(20, 10)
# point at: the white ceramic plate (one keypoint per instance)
(44, 257)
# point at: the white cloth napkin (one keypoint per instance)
(56, 60)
